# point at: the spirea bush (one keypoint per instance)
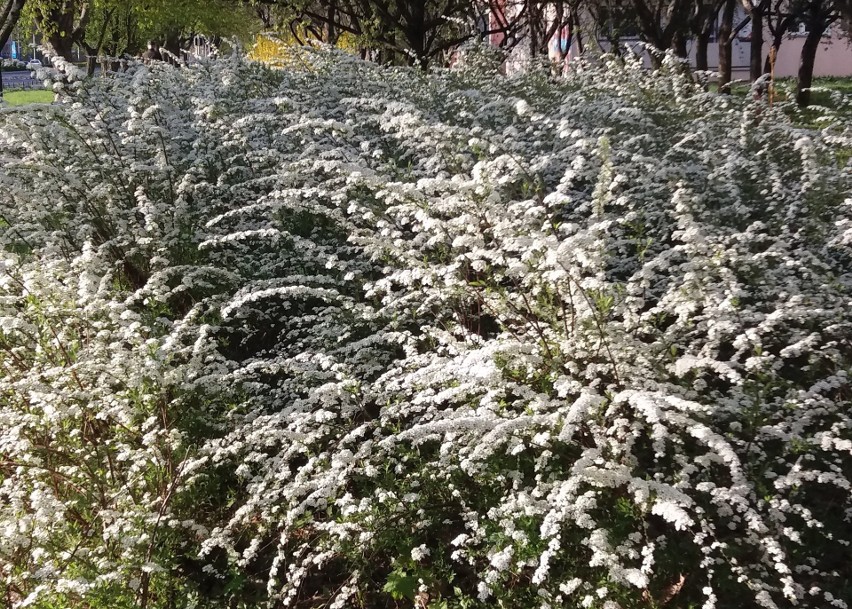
(12, 64)
(347, 336)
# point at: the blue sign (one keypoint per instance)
(14, 50)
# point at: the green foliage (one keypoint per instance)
(400, 585)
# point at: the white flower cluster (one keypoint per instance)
(344, 332)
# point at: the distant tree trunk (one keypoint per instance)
(331, 34)
(575, 32)
(534, 24)
(60, 20)
(702, 41)
(92, 51)
(112, 48)
(415, 32)
(756, 62)
(172, 45)
(131, 32)
(779, 20)
(845, 9)
(706, 18)
(663, 30)
(62, 45)
(806, 64)
(679, 45)
(777, 39)
(726, 28)
(91, 60)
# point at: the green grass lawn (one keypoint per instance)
(843, 85)
(20, 98)
(787, 87)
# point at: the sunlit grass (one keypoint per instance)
(21, 98)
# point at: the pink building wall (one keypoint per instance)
(834, 57)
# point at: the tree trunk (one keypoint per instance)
(9, 15)
(806, 64)
(778, 27)
(63, 45)
(726, 28)
(331, 34)
(845, 8)
(91, 58)
(533, 28)
(679, 45)
(706, 18)
(415, 33)
(59, 19)
(172, 45)
(756, 63)
(776, 44)
(576, 33)
(701, 44)
(92, 52)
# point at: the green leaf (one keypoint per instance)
(400, 585)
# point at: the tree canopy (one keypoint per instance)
(123, 26)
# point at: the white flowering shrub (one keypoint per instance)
(346, 336)
(13, 64)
